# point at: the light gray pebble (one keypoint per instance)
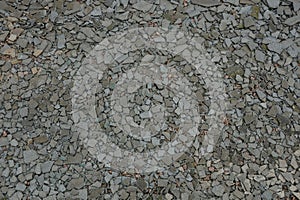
(206, 3)
(29, 156)
(261, 95)
(292, 20)
(146, 115)
(96, 12)
(20, 187)
(273, 3)
(143, 6)
(61, 40)
(6, 172)
(24, 112)
(46, 166)
(260, 56)
(248, 21)
(218, 190)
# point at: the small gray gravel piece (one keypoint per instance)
(146, 115)
(124, 3)
(206, 3)
(260, 56)
(61, 40)
(20, 187)
(46, 166)
(5, 172)
(143, 6)
(268, 195)
(4, 141)
(29, 156)
(292, 21)
(218, 190)
(248, 21)
(76, 183)
(74, 159)
(96, 12)
(261, 95)
(24, 112)
(140, 183)
(4, 35)
(273, 3)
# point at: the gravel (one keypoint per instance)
(253, 43)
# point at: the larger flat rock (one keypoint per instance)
(29, 156)
(273, 3)
(292, 20)
(206, 3)
(143, 6)
(218, 190)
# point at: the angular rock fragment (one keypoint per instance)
(206, 3)
(29, 156)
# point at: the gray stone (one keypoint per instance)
(74, 159)
(273, 3)
(260, 56)
(162, 182)
(96, 12)
(22, 42)
(124, 3)
(146, 115)
(83, 194)
(292, 21)
(29, 156)
(206, 3)
(123, 16)
(276, 47)
(4, 35)
(283, 121)
(76, 183)
(14, 142)
(248, 21)
(53, 15)
(20, 187)
(261, 95)
(107, 178)
(61, 40)
(282, 163)
(234, 2)
(238, 78)
(24, 112)
(6, 172)
(46, 166)
(143, 6)
(166, 5)
(238, 194)
(249, 118)
(40, 139)
(38, 169)
(3, 141)
(288, 177)
(169, 196)
(268, 195)
(273, 111)
(140, 183)
(158, 98)
(218, 190)
(294, 162)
